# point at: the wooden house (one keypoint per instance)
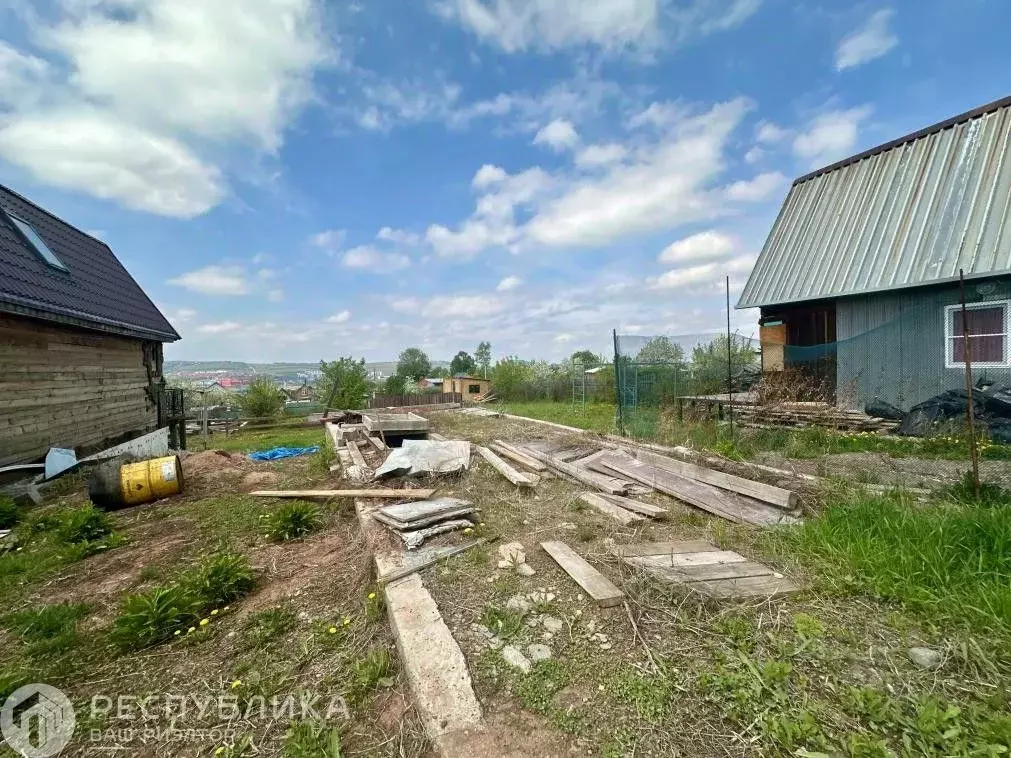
(80, 342)
(471, 387)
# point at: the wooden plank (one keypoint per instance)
(377, 443)
(715, 571)
(749, 586)
(514, 476)
(421, 523)
(595, 584)
(356, 454)
(676, 560)
(728, 505)
(606, 484)
(637, 506)
(507, 450)
(661, 548)
(619, 514)
(436, 437)
(570, 454)
(377, 493)
(767, 493)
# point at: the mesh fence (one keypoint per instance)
(871, 389)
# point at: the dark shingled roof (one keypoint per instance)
(96, 292)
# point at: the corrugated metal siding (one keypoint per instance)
(910, 215)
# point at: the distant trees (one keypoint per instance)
(482, 357)
(263, 398)
(414, 364)
(586, 358)
(462, 363)
(395, 385)
(346, 379)
(709, 361)
(661, 350)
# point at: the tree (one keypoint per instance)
(710, 360)
(263, 398)
(345, 380)
(510, 376)
(586, 358)
(414, 364)
(462, 363)
(483, 357)
(395, 385)
(661, 350)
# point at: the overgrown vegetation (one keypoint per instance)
(294, 520)
(10, 514)
(343, 383)
(263, 398)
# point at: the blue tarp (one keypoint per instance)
(282, 452)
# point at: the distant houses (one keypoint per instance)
(471, 387)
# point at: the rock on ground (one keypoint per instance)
(538, 652)
(511, 554)
(515, 658)
(925, 657)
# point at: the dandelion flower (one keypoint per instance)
(204, 622)
(215, 612)
(178, 632)
(468, 530)
(346, 621)
(236, 683)
(332, 630)
(226, 607)
(372, 596)
(191, 630)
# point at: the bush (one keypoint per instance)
(81, 525)
(294, 520)
(10, 514)
(153, 617)
(263, 398)
(220, 579)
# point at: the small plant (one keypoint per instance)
(48, 630)
(294, 520)
(83, 525)
(308, 739)
(269, 625)
(10, 514)
(220, 579)
(586, 532)
(370, 672)
(373, 607)
(155, 616)
(504, 623)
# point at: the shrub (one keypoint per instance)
(220, 579)
(294, 520)
(153, 617)
(263, 398)
(10, 514)
(80, 525)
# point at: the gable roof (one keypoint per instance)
(95, 292)
(907, 213)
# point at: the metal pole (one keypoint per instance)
(970, 411)
(730, 366)
(617, 385)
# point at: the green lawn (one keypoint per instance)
(597, 417)
(249, 440)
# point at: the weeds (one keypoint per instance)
(370, 672)
(220, 579)
(83, 525)
(310, 739)
(504, 623)
(294, 520)
(268, 625)
(10, 514)
(49, 630)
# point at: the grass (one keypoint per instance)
(597, 417)
(294, 520)
(948, 562)
(251, 439)
(10, 514)
(49, 630)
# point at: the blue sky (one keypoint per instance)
(295, 180)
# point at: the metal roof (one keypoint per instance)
(908, 213)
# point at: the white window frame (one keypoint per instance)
(950, 336)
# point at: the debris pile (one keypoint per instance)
(415, 522)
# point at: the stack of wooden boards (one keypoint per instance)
(415, 522)
(812, 414)
(358, 451)
(615, 474)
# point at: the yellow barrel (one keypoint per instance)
(150, 480)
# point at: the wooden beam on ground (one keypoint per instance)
(356, 455)
(513, 453)
(514, 476)
(378, 493)
(637, 506)
(619, 514)
(600, 482)
(377, 443)
(595, 584)
(767, 493)
(661, 548)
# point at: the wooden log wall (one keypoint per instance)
(67, 387)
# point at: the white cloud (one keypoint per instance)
(330, 240)
(134, 95)
(703, 273)
(215, 280)
(830, 136)
(564, 338)
(761, 187)
(399, 236)
(260, 258)
(222, 327)
(703, 246)
(462, 306)
(389, 103)
(769, 133)
(871, 40)
(339, 318)
(370, 258)
(488, 175)
(754, 155)
(110, 159)
(275, 295)
(509, 283)
(559, 135)
(593, 156)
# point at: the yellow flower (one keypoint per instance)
(214, 612)
(226, 607)
(219, 751)
(468, 530)
(332, 630)
(346, 621)
(204, 622)
(191, 630)
(236, 683)
(372, 596)
(178, 632)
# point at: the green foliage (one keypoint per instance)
(661, 350)
(344, 379)
(503, 622)
(598, 417)
(369, 672)
(152, 617)
(10, 514)
(266, 626)
(948, 561)
(294, 520)
(263, 398)
(709, 362)
(220, 579)
(414, 364)
(310, 739)
(462, 363)
(509, 376)
(49, 630)
(395, 385)
(482, 357)
(586, 357)
(83, 525)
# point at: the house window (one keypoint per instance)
(36, 242)
(988, 330)
(473, 389)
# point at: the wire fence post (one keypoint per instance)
(970, 409)
(617, 384)
(730, 368)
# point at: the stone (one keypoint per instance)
(511, 554)
(516, 659)
(538, 652)
(552, 624)
(525, 569)
(925, 657)
(495, 643)
(518, 604)
(541, 597)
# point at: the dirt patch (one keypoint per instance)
(515, 733)
(211, 471)
(879, 468)
(258, 480)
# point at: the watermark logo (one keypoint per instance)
(37, 721)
